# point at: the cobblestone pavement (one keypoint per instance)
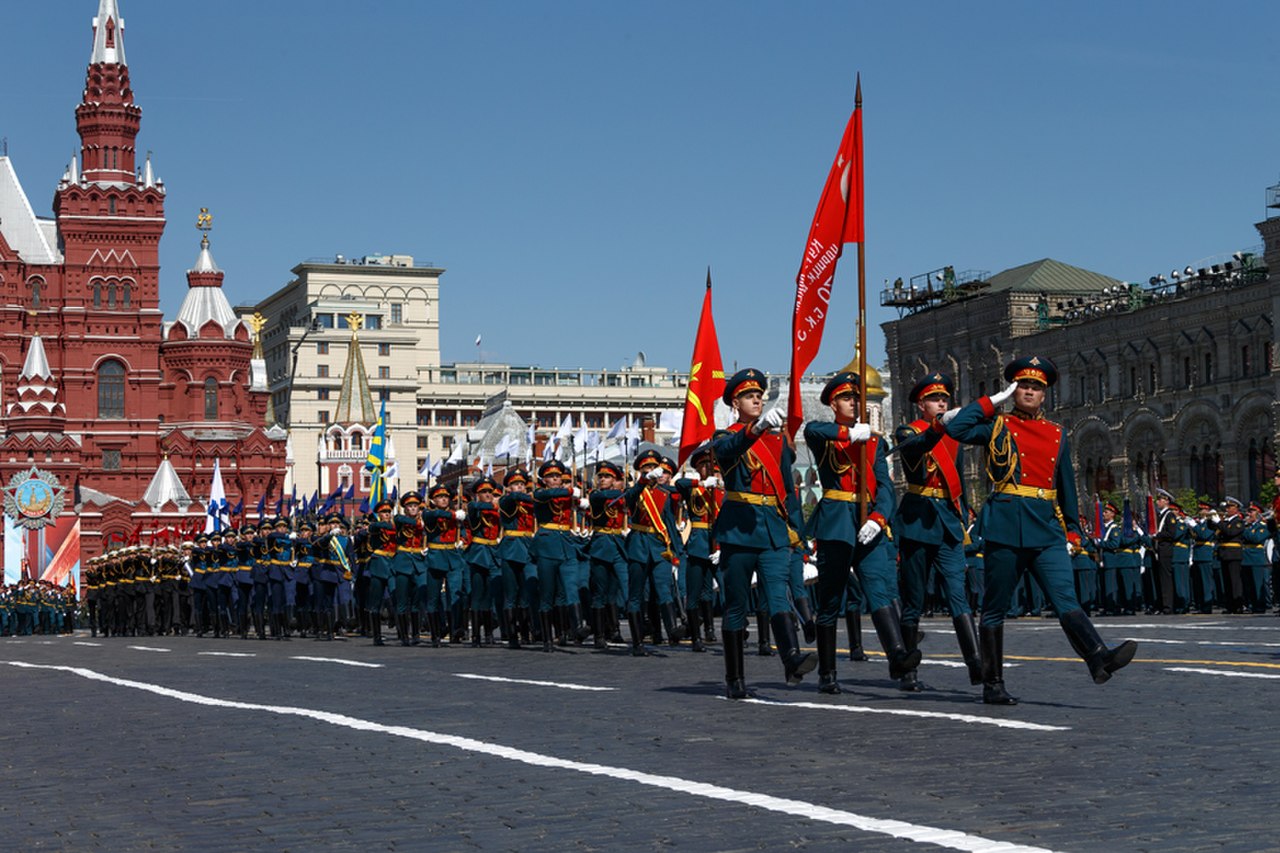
(160, 744)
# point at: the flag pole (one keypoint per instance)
(862, 337)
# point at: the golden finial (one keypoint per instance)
(256, 322)
(355, 321)
(204, 221)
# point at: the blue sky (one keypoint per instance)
(576, 166)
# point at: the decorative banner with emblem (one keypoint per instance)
(33, 499)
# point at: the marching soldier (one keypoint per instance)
(382, 550)
(1029, 518)
(519, 579)
(847, 541)
(753, 529)
(410, 567)
(555, 552)
(485, 526)
(445, 565)
(702, 496)
(930, 522)
(651, 547)
(607, 550)
(1230, 541)
(1254, 562)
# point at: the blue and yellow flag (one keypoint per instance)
(376, 461)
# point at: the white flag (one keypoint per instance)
(426, 467)
(477, 340)
(566, 428)
(618, 428)
(217, 505)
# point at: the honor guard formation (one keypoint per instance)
(550, 563)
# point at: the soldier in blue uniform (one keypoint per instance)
(652, 547)
(329, 556)
(848, 541)
(701, 496)
(445, 566)
(607, 550)
(1183, 541)
(753, 528)
(1029, 518)
(1121, 554)
(1254, 561)
(409, 567)
(519, 579)
(555, 552)
(382, 544)
(930, 524)
(1203, 587)
(1083, 561)
(485, 525)
(1230, 540)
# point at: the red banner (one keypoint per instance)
(837, 221)
(706, 383)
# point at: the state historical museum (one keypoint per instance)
(127, 411)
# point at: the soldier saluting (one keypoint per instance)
(1029, 518)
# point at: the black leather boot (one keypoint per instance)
(910, 682)
(763, 648)
(613, 624)
(510, 629)
(806, 619)
(577, 625)
(415, 628)
(826, 638)
(967, 637)
(734, 669)
(675, 631)
(795, 663)
(476, 622)
(708, 621)
(402, 628)
(601, 640)
(375, 624)
(695, 635)
(992, 642)
(889, 630)
(548, 634)
(853, 624)
(637, 635)
(1102, 661)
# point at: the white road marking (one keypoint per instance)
(900, 712)
(339, 660)
(1250, 643)
(954, 664)
(1167, 626)
(230, 654)
(948, 838)
(559, 684)
(83, 643)
(149, 649)
(1230, 673)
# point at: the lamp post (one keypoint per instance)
(293, 368)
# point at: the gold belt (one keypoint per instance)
(748, 498)
(554, 527)
(610, 531)
(1128, 550)
(644, 528)
(1230, 544)
(1028, 491)
(477, 540)
(700, 525)
(406, 549)
(377, 552)
(1183, 545)
(840, 495)
(1251, 545)
(510, 533)
(926, 491)
(442, 546)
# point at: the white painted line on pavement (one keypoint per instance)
(1162, 626)
(1230, 673)
(559, 684)
(956, 664)
(230, 654)
(1250, 643)
(339, 660)
(148, 649)
(899, 712)
(948, 838)
(83, 643)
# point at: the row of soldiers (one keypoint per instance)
(37, 607)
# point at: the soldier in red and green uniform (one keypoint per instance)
(1027, 521)
(484, 521)
(519, 579)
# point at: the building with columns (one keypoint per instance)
(119, 388)
(1171, 383)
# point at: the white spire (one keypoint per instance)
(36, 365)
(148, 177)
(108, 35)
(204, 262)
(73, 172)
(165, 487)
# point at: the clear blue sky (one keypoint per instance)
(575, 166)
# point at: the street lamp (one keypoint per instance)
(293, 369)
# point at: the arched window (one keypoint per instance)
(36, 284)
(111, 295)
(111, 390)
(97, 294)
(211, 399)
(128, 294)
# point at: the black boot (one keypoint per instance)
(601, 640)
(614, 628)
(795, 663)
(910, 682)
(734, 678)
(577, 626)
(637, 635)
(288, 623)
(1089, 646)
(806, 619)
(415, 628)
(889, 630)
(763, 648)
(375, 625)
(402, 628)
(436, 622)
(707, 612)
(695, 636)
(475, 629)
(967, 637)
(675, 631)
(488, 627)
(992, 641)
(826, 637)
(547, 632)
(328, 625)
(511, 630)
(853, 624)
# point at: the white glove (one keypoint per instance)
(859, 433)
(460, 514)
(154, 561)
(949, 415)
(694, 477)
(999, 398)
(583, 503)
(715, 557)
(653, 474)
(577, 493)
(293, 535)
(870, 530)
(711, 482)
(771, 419)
